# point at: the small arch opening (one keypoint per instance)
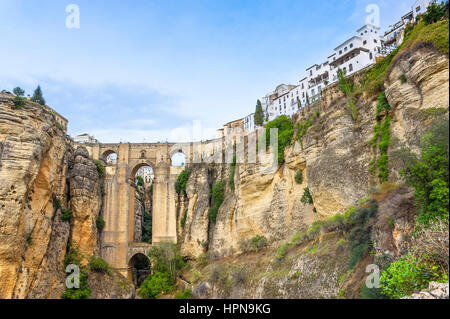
(139, 269)
(109, 157)
(178, 159)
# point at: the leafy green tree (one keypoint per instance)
(147, 228)
(139, 181)
(259, 114)
(37, 96)
(434, 13)
(18, 91)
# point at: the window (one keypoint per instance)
(365, 42)
(370, 55)
(142, 155)
(375, 40)
(313, 92)
(340, 51)
(418, 9)
(345, 49)
(310, 72)
(350, 67)
(345, 70)
(303, 86)
(284, 105)
(351, 45)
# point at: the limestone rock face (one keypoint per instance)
(39, 175)
(32, 171)
(85, 202)
(334, 156)
(435, 291)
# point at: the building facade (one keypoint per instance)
(84, 138)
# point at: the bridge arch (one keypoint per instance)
(178, 158)
(139, 267)
(109, 157)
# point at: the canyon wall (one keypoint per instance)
(335, 160)
(41, 175)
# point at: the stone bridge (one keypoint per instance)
(118, 208)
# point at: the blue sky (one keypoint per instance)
(145, 70)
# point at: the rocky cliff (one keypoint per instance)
(335, 156)
(42, 177)
(335, 160)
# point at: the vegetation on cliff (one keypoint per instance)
(217, 197)
(180, 184)
(167, 262)
(285, 134)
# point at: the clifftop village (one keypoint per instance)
(361, 51)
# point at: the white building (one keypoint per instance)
(358, 52)
(146, 173)
(84, 138)
(249, 123)
(393, 36)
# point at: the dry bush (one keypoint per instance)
(431, 244)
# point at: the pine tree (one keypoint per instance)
(37, 96)
(259, 114)
(18, 91)
(307, 98)
(299, 103)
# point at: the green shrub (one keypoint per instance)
(99, 265)
(185, 294)
(147, 228)
(299, 177)
(180, 184)
(100, 168)
(285, 133)
(74, 256)
(406, 275)
(183, 219)
(19, 102)
(346, 87)
(155, 284)
(56, 202)
(341, 243)
(232, 173)
(434, 13)
(302, 128)
(139, 181)
(306, 198)
(402, 78)
(371, 293)
(429, 176)
(217, 197)
(166, 258)
(79, 293)
(100, 224)
(66, 215)
(29, 240)
(282, 251)
(254, 244)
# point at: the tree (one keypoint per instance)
(37, 96)
(307, 98)
(259, 114)
(299, 103)
(19, 92)
(434, 13)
